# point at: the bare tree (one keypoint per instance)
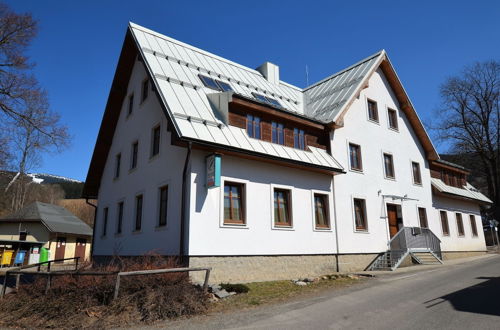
(469, 120)
(41, 133)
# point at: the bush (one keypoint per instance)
(238, 288)
(87, 301)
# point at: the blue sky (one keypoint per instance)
(77, 48)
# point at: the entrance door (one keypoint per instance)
(60, 247)
(394, 218)
(81, 244)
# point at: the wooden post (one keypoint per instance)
(76, 266)
(205, 284)
(47, 288)
(18, 280)
(4, 287)
(117, 286)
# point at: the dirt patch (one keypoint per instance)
(86, 301)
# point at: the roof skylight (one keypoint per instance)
(266, 99)
(209, 82)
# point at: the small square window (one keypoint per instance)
(372, 110)
(393, 118)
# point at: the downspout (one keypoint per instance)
(336, 229)
(93, 228)
(182, 252)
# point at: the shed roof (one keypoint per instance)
(56, 218)
(468, 191)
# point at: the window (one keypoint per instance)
(277, 133)
(119, 220)
(282, 216)
(321, 214)
(460, 224)
(225, 87)
(233, 203)
(104, 221)
(299, 140)
(133, 156)
(417, 177)
(473, 225)
(267, 99)
(389, 166)
(118, 161)
(22, 235)
(155, 141)
(130, 104)
(209, 82)
(355, 157)
(138, 212)
(360, 214)
(444, 223)
(393, 118)
(422, 217)
(372, 110)
(253, 126)
(145, 90)
(162, 214)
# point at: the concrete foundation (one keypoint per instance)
(448, 255)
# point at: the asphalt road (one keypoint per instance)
(454, 296)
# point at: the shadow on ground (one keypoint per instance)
(481, 298)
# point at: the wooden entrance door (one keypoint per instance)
(81, 245)
(392, 216)
(60, 247)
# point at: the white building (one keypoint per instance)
(233, 168)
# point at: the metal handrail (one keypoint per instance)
(406, 239)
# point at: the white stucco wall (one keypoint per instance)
(371, 184)
(209, 236)
(454, 242)
(149, 175)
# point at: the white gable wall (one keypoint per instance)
(375, 139)
(149, 175)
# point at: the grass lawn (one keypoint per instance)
(278, 291)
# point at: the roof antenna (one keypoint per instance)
(307, 75)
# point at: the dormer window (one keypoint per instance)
(277, 133)
(253, 126)
(224, 86)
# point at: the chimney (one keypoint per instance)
(270, 71)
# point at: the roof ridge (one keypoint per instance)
(380, 52)
(194, 48)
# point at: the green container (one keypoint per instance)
(44, 255)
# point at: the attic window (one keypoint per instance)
(209, 82)
(215, 84)
(266, 99)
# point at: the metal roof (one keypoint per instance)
(325, 99)
(468, 191)
(175, 67)
(56, 218)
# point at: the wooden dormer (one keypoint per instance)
(451, 174)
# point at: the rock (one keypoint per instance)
(300, 283)
(212, 298)
(215, 287)
(232, 293)
(222, 294)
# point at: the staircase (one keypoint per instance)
(426, 258)
(421, 243)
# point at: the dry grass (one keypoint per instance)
(261, 293)
(86, 301)
(80, 209)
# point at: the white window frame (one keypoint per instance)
(470, 225)
(417, 206)
(387, 108)
(411, 170)
(353, 214)
(441, 223)
(348, 143)
(291, 189)
(367, 98)
(463, 225)
(329, 213)
(393, 165)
